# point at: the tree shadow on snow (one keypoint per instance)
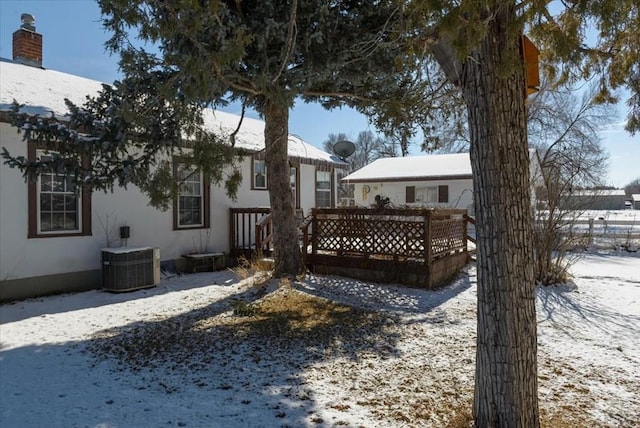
(242, 360)
(569, 310)
(59, 386)
(256, 358)
(387, 297)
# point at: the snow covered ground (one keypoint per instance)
(177, 355)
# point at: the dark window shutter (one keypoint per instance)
(443, 193)
(410, 194)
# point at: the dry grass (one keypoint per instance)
(249, 268)
(462, 417)
(567, 419)
(282, 320)
(266, 328)
(290, 315)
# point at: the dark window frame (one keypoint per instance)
(32, 204)
(410, 194)
(443, 194)
(253, 174)
(206, 201)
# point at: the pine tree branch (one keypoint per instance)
(291, 40)
(232, 137)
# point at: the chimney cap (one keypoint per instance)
(28, 22)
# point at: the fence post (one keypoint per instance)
(258, 235)
(427, 246)
(465, 228)
(314, 231)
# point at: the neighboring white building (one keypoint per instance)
(635, 199)
(429, 180)
(442, 180)
(51, 238)
(610, 199)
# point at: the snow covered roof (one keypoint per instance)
(635, 197)
(414, 168)
(251, 136)
(43, 92)
(600, 192)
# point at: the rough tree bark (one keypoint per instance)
(493, 85)
(285, 239)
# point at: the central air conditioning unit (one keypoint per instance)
(130, 268)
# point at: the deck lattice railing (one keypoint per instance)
(400, 234)
(427, 245)
(424, 244)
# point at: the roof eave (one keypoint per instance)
(413, 178)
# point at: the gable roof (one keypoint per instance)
(43, 91)
(414, 168)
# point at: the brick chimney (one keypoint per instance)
(27, 44)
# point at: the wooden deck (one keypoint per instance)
(418, 247)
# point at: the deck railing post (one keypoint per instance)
(427, 246)
(232, 228)
(258, 232)
(305, 241)
(465, 227)
(314, 231)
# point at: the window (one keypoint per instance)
(58, 202)
(57, 207)
(410, 194)
(430, 195)
(323, 189)
(443, 194)
(191, 209)
(259, 174)
(190, 197)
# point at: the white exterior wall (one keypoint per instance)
(308, 190)
(21, 257)
(460, 193)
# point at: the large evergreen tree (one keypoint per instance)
(265, 54)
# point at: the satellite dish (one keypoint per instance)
(344, 149)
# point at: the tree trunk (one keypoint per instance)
(493, 85)
(287, 255)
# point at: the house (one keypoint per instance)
(635, 201)
(51, 237)
(430, 180)
(442, 180)
(594, 200)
